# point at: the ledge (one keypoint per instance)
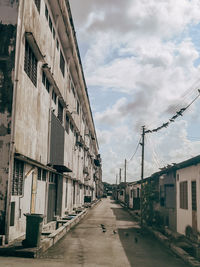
(17, 250)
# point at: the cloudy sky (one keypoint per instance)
(141, 61)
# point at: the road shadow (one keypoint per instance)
(142, 249)
(121, 215)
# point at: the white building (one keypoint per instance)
(188, 197)
(49, 160)
(134, 195)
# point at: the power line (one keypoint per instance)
(172, 119)
(186, 95)
(155, 154)
(135, 150)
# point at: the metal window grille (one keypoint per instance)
(47, 85)
(67, 124)
(39, 174)
(52, 178)
(62, 64)
(60, 112)
(37, 3)
(72, 87)
(183, 195)
(50, 24)
(71, 127)
(46, 12)
(77, 107)
(43, 78)
(57, 44)
(17, 183)
(44, 175)
(194, 195)
(30, 64)
(54, 96)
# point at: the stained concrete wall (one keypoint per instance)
(34, 104)
(8, 29)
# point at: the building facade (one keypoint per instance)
(49, 159)
(171, 198)
(188, 198)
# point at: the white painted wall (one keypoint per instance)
(184, 217)
(22, 206)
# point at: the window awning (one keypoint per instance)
(61, 168)
(32, 42)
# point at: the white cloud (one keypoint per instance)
(144, 51)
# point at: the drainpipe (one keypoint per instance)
(33, 190)
(13, 117)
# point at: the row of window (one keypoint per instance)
(167, 195)
(47, 84)
(62, 60)
(73, 91)
(49, 20)
(18, 177)
(30, 67)
(42, 175)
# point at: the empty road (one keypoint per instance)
(108, 236)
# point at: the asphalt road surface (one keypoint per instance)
(107, 236)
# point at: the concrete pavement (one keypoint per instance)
(107, 236)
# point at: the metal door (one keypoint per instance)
(51, 210)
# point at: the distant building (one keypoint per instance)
(49, 159)
(171, 198)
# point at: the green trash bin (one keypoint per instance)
(34, 224)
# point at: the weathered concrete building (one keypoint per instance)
(49, 160)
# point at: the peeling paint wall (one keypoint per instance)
(8, 18)
(51, 34)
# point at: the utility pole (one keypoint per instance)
(116, 178)
(126, 200)
(125, 171)
(120, 171)
(142, 176)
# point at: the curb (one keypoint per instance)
(176, 250)
(165, 241)
(51, 240)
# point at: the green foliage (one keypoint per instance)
(150, 197)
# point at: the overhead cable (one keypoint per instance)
(172, 119)
(135, 150)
